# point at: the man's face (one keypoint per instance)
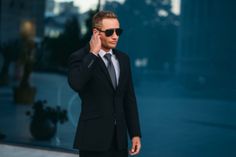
(109, 42)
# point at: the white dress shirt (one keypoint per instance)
(114, 60)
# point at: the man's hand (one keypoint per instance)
(136, 145)
(95, 42)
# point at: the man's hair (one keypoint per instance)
(99, 16)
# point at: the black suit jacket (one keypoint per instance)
(101, 104)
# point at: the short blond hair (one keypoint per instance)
(99, 16)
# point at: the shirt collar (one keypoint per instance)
(102, 52)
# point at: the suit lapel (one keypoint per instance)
(121, 66)
(106, 73)
(104, 70)
(102, 66)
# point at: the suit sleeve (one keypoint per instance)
(81, 66)
(131, 109)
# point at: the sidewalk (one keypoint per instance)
(18, 151)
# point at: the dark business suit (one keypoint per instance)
(102, 105)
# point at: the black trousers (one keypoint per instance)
(112, 152)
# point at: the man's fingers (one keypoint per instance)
(135, 149)
(138, 148)
(95, 43)
(97, 36)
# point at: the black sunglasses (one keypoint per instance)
(109, 32)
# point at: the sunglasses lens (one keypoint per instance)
(119, 32)
(109, 32)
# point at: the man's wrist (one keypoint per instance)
(136, 137)
(96, 54)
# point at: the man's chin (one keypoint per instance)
(112, 46)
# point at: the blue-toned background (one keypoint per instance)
(183, 62)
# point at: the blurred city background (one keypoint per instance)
(183, 57)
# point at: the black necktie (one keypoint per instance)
(111, 69)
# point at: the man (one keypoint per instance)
(101, 75)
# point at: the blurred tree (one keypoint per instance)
(85, 39)
(69, 41)
(10, 52)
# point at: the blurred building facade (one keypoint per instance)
(15, 12)
(150, 35)
(57, 13)
(206, 53)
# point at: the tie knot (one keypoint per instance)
(108, 57)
